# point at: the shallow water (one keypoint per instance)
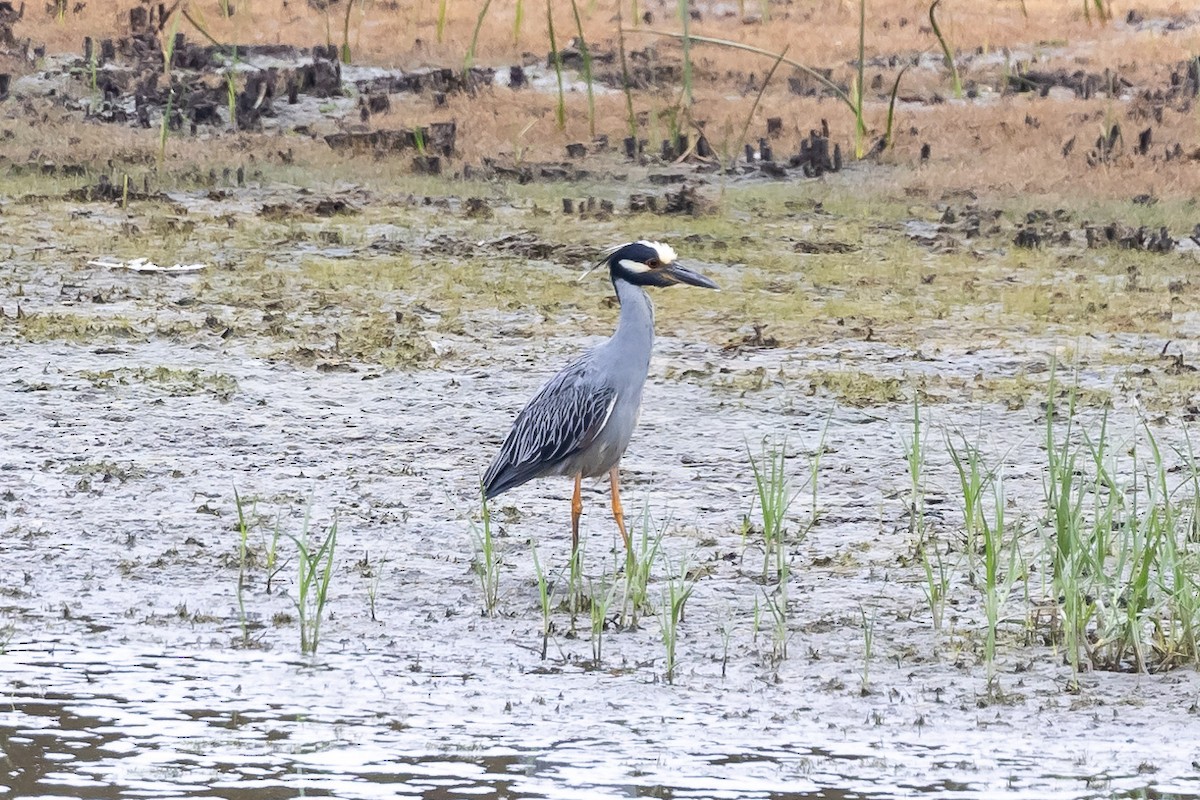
(125, 675)
(198, 722)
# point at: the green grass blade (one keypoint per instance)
(345, 51)
(891, 112)
(937, 31)
(685, 17)
(560, 110)
(626, 83)
(860, 126)
(443, 8)
(469, 61)
(754, 105)
(518, 19)
(586, 52)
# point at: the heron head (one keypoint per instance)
(645, 263)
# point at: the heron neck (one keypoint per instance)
(635, 328)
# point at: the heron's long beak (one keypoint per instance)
(691, 277)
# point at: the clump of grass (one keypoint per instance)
(984, 504)
(576, 600)
(868, 630)
(250, 556)
(937, 585)
(814, 474)
(989, 534)
(174, 381)
(676, 591)
(756, 626)
(1123, 561)
(93, 73)
(270, 549)
(914, 458)
(775, 496)
(243, 536)
(315, 571)
(1064, 501)
(486, 563)
(858, 388)
(602, 597)
(639, 560)
(777, 604)
(543, 599)
(972, 482)
(997, 584)
(726, 636)
(519, 145)
(1179, 640)
(231, 93)
(373, 576)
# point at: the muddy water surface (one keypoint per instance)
(131, 669)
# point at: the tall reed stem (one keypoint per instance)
(560, 111)
(955, 81)
(586, 53)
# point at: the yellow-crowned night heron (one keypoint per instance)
(580, 422)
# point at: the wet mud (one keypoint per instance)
(356, 355)
(129, 430)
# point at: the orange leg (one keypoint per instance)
(576, 511)
(614, 480)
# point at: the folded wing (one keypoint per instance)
(561, 421)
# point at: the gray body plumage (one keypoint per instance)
(581, 420)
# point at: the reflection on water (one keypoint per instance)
(258, 726)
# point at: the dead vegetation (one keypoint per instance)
(1104, 106)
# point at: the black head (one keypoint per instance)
(644, 263)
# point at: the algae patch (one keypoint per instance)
(173, 381)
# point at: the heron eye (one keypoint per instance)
(654, 263)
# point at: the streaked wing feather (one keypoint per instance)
(561, 420)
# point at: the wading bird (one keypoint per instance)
(580, 422)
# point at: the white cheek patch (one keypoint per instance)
(634, 266)
(666, 254)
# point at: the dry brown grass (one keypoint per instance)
(1002, 144)
(404, 34)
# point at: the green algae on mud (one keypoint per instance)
(172, 381)
(818, 256)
